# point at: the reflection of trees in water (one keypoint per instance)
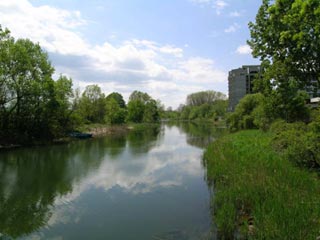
(200, 134)
(31, 179)
(114, 145)
(144, 138)
(29, 183)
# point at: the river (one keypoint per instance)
(147, 184)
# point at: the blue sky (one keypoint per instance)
(167, 48)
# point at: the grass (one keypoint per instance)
(259, 194)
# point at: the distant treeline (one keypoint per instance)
(204, 105)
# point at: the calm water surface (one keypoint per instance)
(147, 184)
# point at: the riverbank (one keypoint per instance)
(258, 193)
(97, 130)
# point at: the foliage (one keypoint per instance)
(139, 96)
(285, 36)
(62, 120)
(92, 104)
(28, 101)
(118, 98)
(142, 108)
(170, 114)
(258, 193)
(115, 114)
(135, 111)
(287, 32)
(204, 105)
(151, 112)
(251, 112)
(204, 97)
(298, 142)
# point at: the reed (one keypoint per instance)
(257, 193)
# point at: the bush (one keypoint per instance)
(250, 113)
(298, 142)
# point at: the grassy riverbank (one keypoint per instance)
(258, 193)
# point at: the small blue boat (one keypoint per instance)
(80, 135)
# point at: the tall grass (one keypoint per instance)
(259, 194)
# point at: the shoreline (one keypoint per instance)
(95, 130)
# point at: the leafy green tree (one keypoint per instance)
(287, 32)
(27, 89)
(286, 38)
(185, 112)
(118, 98)
(142, 108)
(92, 105)
(62, 121)
(205, 105)
(135, 111)
(199, 98)
(114, 113)
(249, 113)
(137, 95)
(151, 112)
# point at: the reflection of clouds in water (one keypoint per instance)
(66, 214)
(163, 166)
(167, 165)
(40, 236)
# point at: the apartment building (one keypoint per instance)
(240, 83)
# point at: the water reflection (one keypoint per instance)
(200, 134)
(43, 189)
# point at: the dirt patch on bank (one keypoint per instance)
(109, 130)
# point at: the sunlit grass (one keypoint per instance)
(258, 193)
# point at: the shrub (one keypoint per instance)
(250, 113)
(298, 142)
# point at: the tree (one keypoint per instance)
(248, 113)
(62, 121)
(92, 104)
(151, 112)
(135, 111)
(142, 108)
(199, 98)
(137, 95)
(27, 89)
(204, 105)
(286, 38)
(115, 114)
(288, 32)
(118, 98)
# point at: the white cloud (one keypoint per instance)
(244, 49)
(235, 14)
(199, 70)
(232, 28)
(53, 28)
(135, 64)
(219, 5)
